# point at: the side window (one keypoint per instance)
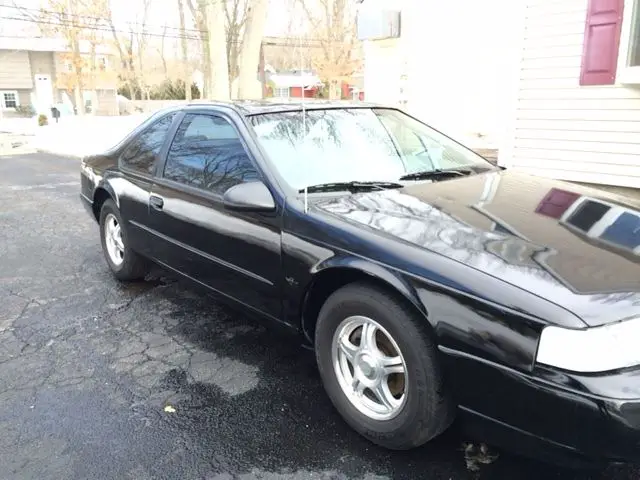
(142, 153)
(207, 153)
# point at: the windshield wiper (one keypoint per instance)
(350, 186)
(436, 173)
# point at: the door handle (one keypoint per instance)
(156, 202)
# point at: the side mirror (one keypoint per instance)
(249, 197)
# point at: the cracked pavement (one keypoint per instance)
(88, 368)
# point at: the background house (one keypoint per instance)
(294, 84)
(445, 62)
(39, 72)
(576, 103)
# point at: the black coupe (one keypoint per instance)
(431, 283)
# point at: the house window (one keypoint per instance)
(374, 23)
(634, 40)
(280, 92)
(9, 99)
(101, 63)
(611, 48)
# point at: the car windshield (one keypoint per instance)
(356, 144)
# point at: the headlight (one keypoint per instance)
(592, 350)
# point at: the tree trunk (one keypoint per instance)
(186, 73)
(218, 64)
(92, 87)
(79, 101)
(199, 13)
(248, 86)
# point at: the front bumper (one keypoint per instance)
(549, 414)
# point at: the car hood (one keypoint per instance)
(575, 246)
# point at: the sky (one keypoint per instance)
(161, 12)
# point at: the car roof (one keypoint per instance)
(257, 107)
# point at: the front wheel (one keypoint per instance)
(124, 263)
(380, 369)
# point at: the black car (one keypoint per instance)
(432, 284)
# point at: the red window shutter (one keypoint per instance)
(601, 42)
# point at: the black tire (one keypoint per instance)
(133, 266)
(427, 411)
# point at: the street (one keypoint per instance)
(154, 380)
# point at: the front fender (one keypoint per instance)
(391, 277)
(332, 273)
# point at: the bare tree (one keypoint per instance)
(141, 40)
(333, 28)
(186, 70)
(236, 13)
(63, 17)
(161, 51)
(198, 10)
(126, 55)
(218, 64)
(250, 53)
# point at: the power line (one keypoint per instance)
(91, 17)
(97, 28)
(312, 43)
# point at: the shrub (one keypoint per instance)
(42, 120)
(167, 90)
(25, 111)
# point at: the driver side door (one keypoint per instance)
(235, 253)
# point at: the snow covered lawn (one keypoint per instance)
(74, 136)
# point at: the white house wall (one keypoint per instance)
(381, 71)
(561, 129)
(454, 56)
(15, 70)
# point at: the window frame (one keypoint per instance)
(3, 105)
(142, 130)
(627, 74)
(102, 63)
(276, 89)
(160, 179)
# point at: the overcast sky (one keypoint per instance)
(161, 12)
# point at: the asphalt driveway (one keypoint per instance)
(152, 380)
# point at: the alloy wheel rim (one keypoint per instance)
(113, 239)
(370, 368)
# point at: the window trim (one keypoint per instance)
(627, 75)
(2, 100)
(160, 179)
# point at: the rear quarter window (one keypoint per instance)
(142, 153)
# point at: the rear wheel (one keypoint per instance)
(123, 262)
(380, 369)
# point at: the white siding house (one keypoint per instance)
(575, 111)
(446, 62)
